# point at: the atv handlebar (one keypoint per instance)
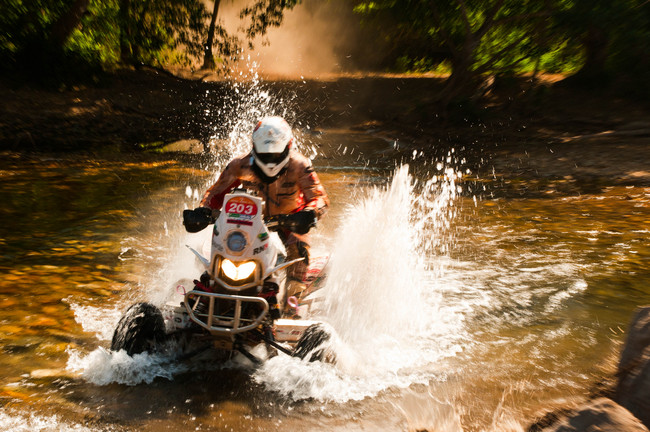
(300, 222)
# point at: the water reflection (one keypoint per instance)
(542, 284)
(61, 229)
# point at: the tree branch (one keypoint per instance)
(489, 20)
(465, 16)
(488, 65)
(521, 17)
(445, 34)
(66, 23)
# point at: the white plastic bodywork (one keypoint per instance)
(241, 213)
(263, 247)
(290, 330)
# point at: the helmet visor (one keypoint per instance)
(272, 158)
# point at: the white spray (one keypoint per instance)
(382, 297)
(391, 322)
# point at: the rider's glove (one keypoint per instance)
(197, 219)
(300, 222)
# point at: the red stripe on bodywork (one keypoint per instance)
(239, 222)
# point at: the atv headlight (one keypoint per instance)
(238, 272)
(236, 241)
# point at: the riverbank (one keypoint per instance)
(570, 140)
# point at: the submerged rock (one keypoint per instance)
(184, 146)
(633, 389)
(601, 414)
(629, 408)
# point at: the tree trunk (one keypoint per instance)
(461, 84)
(126, 56)
(208, 58)
(65, 25)
(593, 74)
(595, 42)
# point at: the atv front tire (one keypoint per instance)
(311, 344)
(140, 329)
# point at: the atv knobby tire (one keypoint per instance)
(140, 329)
(311, 344)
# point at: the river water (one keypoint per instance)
(454, 308)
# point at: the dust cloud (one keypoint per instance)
(317, 38)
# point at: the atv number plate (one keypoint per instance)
(241, 208)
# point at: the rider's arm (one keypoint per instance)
(313, 191)
(228, 180)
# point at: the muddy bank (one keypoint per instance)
(570, 140)
(130, 109)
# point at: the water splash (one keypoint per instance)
(401, 234)
(102, 367)
(391, 323)
(96, 319)
(20, 422)
(426, 412)
(376, 269)
(251, 99)
(156, 251)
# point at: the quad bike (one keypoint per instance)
(239, 302)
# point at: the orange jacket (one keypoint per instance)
(297, 187)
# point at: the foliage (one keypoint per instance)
(21, 23)
(629, 58)
(404, 29)
(263, 14)
(615, 39)
(98, 38)
(29, 33)
(112, 32)
(156, 27)
(473, 38)
(603, 41)
(501, 34)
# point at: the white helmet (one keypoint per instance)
(272, 140)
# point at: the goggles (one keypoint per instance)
(272, 158)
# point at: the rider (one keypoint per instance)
(286, 181)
